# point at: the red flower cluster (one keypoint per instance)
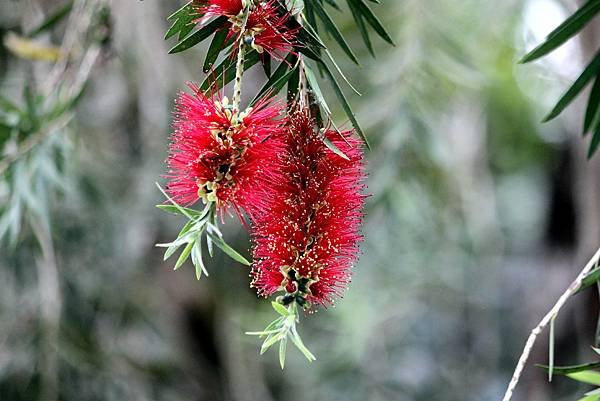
(306, 240)
(265, 28)
(220, 156)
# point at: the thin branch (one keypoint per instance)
(50, 311)
(545, 321)
(31, 143)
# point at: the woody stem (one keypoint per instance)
(303, 94)
(239, 72)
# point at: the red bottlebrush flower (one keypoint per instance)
(307, 238)
(219, 156)
(265, 29)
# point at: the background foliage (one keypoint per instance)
(478, 218)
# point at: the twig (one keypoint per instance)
(31, 143)
(545, 321)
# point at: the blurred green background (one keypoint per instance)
(479, 217)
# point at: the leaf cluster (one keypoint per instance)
(583, 373)
(201, 225)
(310, 62)
(34, 150)
(282, 329)
(565, 31)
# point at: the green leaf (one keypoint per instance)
(564, 370)
(587, 376)
(362, 28)
(334, 148)
(310, 17)
(372, 20)
(300, 345)
(175, 245)
(282, 347)
(266, 63)
(272, 328)
(52, 19)
(171, 250)
(569, 28)
(229, 251)
(314, 84)
(595, 142)
(592, 70)
(333, 4)
(31, 106)
(184, 255)
(277, 81)
(198, 261)
(339, 70)
(180, 210)
(308, 36)
(183, 21)
(345, 105)
(271, 340)
(5, 134)
(8, 106)
(590, 279)
(332, 28)
(216, 45)
(293, 85)
(279, 308)
(592, 111)
(551, 349)
(225, 72)
(593, 397)
(198, 36)
(593, 392)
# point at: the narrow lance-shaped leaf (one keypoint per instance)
(592, 70)
(184, 255)
(569, 28)
(587, 376)
(232, 253)
(226, 72)
(372, 20)
(563, 370)
(334, 31)
(199, 35)
(216, 45)
(345, 105)
(183, 21)
(595, 142)
(278, 79)
(362, 28)
(592, 111)
(592, 278)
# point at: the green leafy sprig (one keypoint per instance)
(281, 330)
(201, 226)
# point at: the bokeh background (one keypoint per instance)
(479, 218)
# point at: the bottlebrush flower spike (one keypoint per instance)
(220, 156)
(307, 239)
(265, 29)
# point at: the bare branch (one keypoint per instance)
(545, 321)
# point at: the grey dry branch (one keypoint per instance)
(572, 289)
